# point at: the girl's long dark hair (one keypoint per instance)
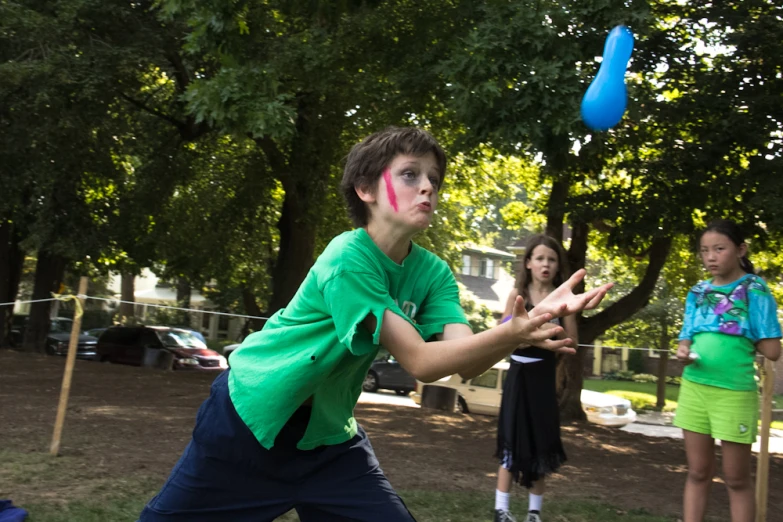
(523, 273)
(732, 231)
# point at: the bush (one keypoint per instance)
(645, 377)
(621, 375)
(674, 380)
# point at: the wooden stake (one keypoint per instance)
(762, 466)
(73, 346)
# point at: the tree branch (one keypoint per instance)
(625, 307)
(155, 112)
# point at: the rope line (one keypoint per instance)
(75, 298)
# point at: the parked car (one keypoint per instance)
(96, 332)
(386, 373)
(482, 395)
(230, 348)
(58, 339)
(141, 346)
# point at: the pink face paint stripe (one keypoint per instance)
(390, 189)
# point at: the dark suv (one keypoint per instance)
(58, 339)
(147, 346)
(388, 374)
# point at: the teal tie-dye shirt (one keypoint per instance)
(744, 307)
(724, 323)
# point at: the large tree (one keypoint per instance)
(696, 122)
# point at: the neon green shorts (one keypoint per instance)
(728, 415)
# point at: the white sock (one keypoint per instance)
(535, 502)
(501, 500)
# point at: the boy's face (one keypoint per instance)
(406, 194)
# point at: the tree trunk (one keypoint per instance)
(555, 208)
(49, 271)
(11, 262)
(663, 362)
(251, 308)
(570, 379)
(127, 290)
(569, 386)
(183, 301)
(570, 367)
(295, 256)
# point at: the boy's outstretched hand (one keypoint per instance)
(562, 301)
(536, 331)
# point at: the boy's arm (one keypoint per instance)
(431, 361)
(471, 355)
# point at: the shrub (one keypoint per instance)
(620, 375)
(674, 380)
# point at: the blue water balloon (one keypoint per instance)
(605, 100)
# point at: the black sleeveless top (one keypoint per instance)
(534, 351)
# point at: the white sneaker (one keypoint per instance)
(533, 517)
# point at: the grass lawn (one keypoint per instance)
(117, 499)
(425, 506)
(120, 499)
(643, 395)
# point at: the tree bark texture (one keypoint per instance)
(49, 271)
(11, 261)
(127, 290)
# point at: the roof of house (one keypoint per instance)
(470, 247)
(491, 293)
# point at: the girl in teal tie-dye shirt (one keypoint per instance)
(728, 318)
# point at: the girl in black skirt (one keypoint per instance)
(529, 446)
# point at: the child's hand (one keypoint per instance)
(537, 330)
(683, 353)
(563, 301)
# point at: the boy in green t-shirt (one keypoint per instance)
(278, 432)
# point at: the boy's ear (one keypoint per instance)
(365, 193)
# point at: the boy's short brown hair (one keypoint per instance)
(367, 161)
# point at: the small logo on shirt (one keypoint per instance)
(408, 308)
(743, 429)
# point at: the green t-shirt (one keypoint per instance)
(725, 361)
(317, 347)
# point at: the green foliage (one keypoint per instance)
(479, 316)
(618, 375)
(636, 360)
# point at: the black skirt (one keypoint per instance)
(529, 444)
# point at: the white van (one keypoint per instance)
(482, 395)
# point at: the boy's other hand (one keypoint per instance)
(562, 301)
(533, 331)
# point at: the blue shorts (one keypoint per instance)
(226, 475)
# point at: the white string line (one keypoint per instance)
(621, 347)
(25, 302)
(111, 300)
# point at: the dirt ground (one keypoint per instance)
(125, 422)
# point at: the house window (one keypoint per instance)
(488, 268)
(465, 264)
